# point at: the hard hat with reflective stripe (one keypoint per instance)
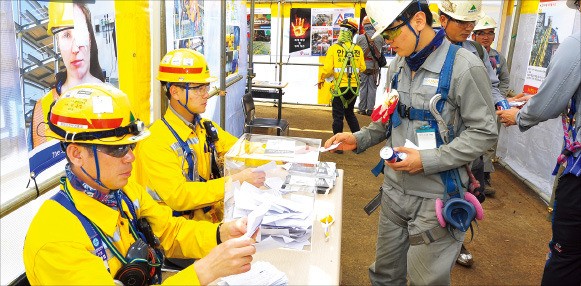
(485, 23)
(95, 114)
(60, 16)
(383, 13)
(351, 24)
(463, 10)
(184, 65)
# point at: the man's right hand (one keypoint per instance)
(228, 258)
(521, 97)
(347, 140)
(251, 176)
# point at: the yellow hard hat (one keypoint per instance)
(463, 10)
(433, 7)
(351, 24)
(60, 16)
(184, 65)
(95, 114)
(485, 23)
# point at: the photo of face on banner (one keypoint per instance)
(76, 43)
(81, 48)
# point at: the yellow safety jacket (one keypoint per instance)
(58, 251)
(162, 167)
(334, 61)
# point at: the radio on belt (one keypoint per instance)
(387, 153)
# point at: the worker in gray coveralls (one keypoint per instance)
(411, 243)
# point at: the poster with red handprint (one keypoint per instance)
(300, 32)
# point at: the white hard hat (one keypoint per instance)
(462, 10)
(383, 13)
(571, 4)
(485, 23)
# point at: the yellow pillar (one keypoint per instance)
(134, 54)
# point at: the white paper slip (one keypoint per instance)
(255, 219)
(334, 146)
(260, 273)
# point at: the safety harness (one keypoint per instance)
(192, 176)
(348, 66)
(450, 178)
(570, 146)
(100, 240)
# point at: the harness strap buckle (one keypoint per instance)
(396, 218)
(428, 236)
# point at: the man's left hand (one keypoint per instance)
(508, 116)
(411, 164)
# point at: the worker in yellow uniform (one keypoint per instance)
(343, 62)
(179, 164)
(103, 229)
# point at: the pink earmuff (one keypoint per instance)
(474, 201)
(439, 208)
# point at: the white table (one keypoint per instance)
(321, 265)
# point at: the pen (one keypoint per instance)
(327, 234)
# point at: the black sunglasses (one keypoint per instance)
(117, 151)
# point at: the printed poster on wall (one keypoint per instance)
(300, 32)
(188, 24)
(554, 24)
(321, 30)
(262, 30)
(53, 64)
(313, 31)
(232, 37)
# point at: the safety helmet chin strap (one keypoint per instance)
(98, 179)
(417, 35)
(184, 105)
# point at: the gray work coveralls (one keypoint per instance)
(470, 110)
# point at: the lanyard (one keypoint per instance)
(102, 239)
(185, 148)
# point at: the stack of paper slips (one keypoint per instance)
(285, 220)
(261, 273)
(326, 177)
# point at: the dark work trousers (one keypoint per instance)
(339, 111)
(564, 264)
(478, 172)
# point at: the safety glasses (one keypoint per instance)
(463, 24)
(391, 33)
(483, 34)
(117, 151)
(202, 88)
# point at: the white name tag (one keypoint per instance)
(426, 138)
(431, 81)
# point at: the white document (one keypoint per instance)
(280, 146)
(274, 183)
(255, 219)
(334, 146)
(266, 167)
(260, 273)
